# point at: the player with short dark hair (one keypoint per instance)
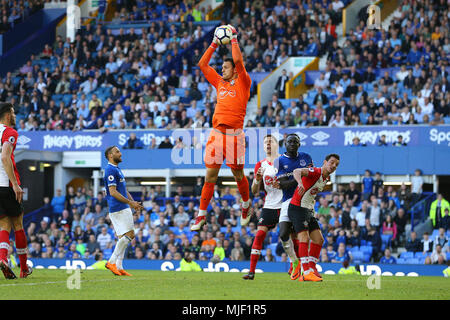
(310, 181)
(11, 194)
(227, 139)
(286, 164)
(119, 203)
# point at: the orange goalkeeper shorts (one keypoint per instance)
(229, 145)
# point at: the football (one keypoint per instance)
(223, 34)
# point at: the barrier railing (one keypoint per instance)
(418, 210)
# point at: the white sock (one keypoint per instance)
(289, 249)
(119, 263)
(202, 213)
(119, 251)
(246, 204)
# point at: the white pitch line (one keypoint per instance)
(59, 282)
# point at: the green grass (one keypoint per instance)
(155, 285)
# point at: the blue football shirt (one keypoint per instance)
(115, 177)
(286, 165)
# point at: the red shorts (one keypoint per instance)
(229, 145)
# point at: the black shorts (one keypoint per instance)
(302, 218)
(9, 206)
(269, 218)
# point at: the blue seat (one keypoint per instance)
(273, 247)
(434, 234)
(367, 249)
(236, 229)
(407, 255)
(223, 229)
(400, 261)
(358, 256)
(412, 261)
(420, 255)
(353, 249)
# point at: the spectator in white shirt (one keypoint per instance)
(323, 83)
(145, 71)
(416, 186)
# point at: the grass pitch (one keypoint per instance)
(170, 285)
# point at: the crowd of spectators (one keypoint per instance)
(76, 225)
(14, 12)
(145, 10)
(412, 88)
(101, 69)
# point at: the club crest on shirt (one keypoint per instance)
(232, 82)
(303, 163)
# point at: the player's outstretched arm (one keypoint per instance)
(210, 74)
(299, 173)
(238, 59)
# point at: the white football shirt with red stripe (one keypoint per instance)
(274, 196)
(9, 135)
(313, 183)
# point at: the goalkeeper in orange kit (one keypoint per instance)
(227, 138)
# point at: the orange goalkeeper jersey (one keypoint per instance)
(232, 96)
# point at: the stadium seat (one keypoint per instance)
(400, 261)
(367, 249)
(412, 261)
(407, 255)
(420, 255)
(236, 229)
(353, 249)
(273, 247)
(358, 256)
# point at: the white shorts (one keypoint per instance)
(284, 211)
(122, 221)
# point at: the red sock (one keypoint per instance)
(296, 246)
(244, 189)
(21, 248)
(303, 255)
(256, 249)
(314, 254)
(4, 245)
(207, 193)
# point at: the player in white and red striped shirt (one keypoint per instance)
(265, 172)
(311, 181)
(11, 208)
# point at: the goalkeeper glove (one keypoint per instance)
(234, 33)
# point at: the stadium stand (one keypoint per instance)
(120, 75)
